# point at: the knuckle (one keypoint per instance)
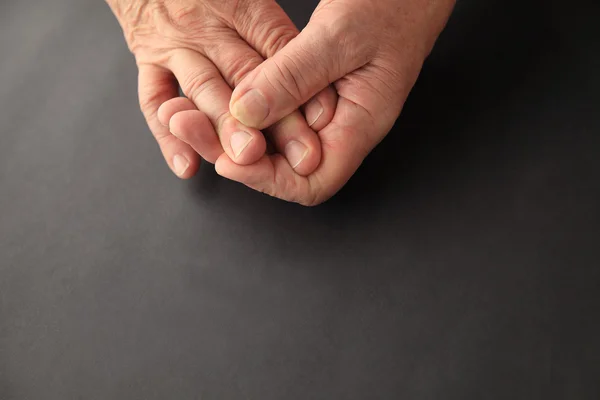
(150, 101)
(345, 26)
(221, 120)
(277, 38)
(351, 41)
(285, 76)
(183, 17)
(148, 105)
(265, 25)
(161, 138)
(199, 81)
(241, 67)
(338, 31)
(342, 28)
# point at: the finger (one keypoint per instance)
(202, 83)
(234, 58)
(191, 126)
(268, 28)
(172, 107)
(345, 143)
(155, 86)
(269, 167)
(294, 139)
(317, 57)
(292, 136)
(194, 127)
(320, 109)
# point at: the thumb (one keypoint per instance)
(304, 67)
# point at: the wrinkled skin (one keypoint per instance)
(371, 50)
(207, 47)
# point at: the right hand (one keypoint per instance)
(207, 47)
(373, 51)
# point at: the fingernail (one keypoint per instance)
(180, 164)
(313, 111)
(239, 141)
(295, 152)
(251, 109)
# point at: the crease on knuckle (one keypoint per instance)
(184, 18)
(352, 41)
(221, 120)
(199, 81)
(161, 137)
(277, 38)
(283, 78)
(150, 100)
(148, 104)
(267, 27)
(240, 68)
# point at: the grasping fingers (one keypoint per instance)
(345, 143)
(210, 45)
(203, 84)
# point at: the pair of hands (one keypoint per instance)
(318, 134)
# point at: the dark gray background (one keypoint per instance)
(461, 262)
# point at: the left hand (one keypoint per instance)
(207, 47)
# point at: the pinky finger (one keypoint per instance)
(155, 86)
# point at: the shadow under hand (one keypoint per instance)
(477, 65)
(472, 74)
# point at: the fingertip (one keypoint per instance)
(221, 164)
(184, 124)
(157, 92)
(169, 108)
(181, 165)
(249, 105)
(242, 144)
(194, 128)
(297, 142)
(183, 161)
(303, 158)
(247, 146)
(251, 109)
(319, 111)
(243, 87)
(161, 115)
(313, 112)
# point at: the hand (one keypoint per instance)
(373, 51)
(207, 47)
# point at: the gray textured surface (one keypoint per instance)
(460, 263)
